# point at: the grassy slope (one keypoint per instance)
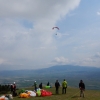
(72, 94)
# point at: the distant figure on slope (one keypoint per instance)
(64, 86)
(48, 84)
(14, 89)
(57, 85)
(35, 86)
(82, 88)
(40, 85)
(11, 88)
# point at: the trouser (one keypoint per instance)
(11, 91)
(64, 90)
(81, 93)
(14, 93)
(57, 90)
(35, 88)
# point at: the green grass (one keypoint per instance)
(72, 94)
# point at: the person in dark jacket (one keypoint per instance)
(11, 88)
(82, 88)
(40, 85)
(57, 85)
(48, 84)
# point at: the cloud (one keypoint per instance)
(98, 13)
(92, 61)
(97, 55)
(35, 10)
(2, 60)
(26, 36)
(60, 60)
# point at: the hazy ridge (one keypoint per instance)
(72, 74)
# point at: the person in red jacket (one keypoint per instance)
(14, 89)
(82, 88)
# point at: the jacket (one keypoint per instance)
(64, 84)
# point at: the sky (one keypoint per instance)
(27, 40)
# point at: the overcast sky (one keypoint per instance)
(27, 40)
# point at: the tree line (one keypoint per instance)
(4, 88)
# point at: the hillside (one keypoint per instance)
(73, 74)
(72, 94)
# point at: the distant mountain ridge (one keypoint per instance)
(53, 69)
(70, 72)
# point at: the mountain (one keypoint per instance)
(53, 69)
(71, 73)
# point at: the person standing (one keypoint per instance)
(14, 89)
(57, 85)
(11, 88)
(35, 86)
(64, 86)
(40, 85)
(48, 84)
(82, 88)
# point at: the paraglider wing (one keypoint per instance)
(55, 27)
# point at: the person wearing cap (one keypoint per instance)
(35, 86)
(82, 88)
(14, 89)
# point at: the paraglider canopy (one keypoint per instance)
(55, 27)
